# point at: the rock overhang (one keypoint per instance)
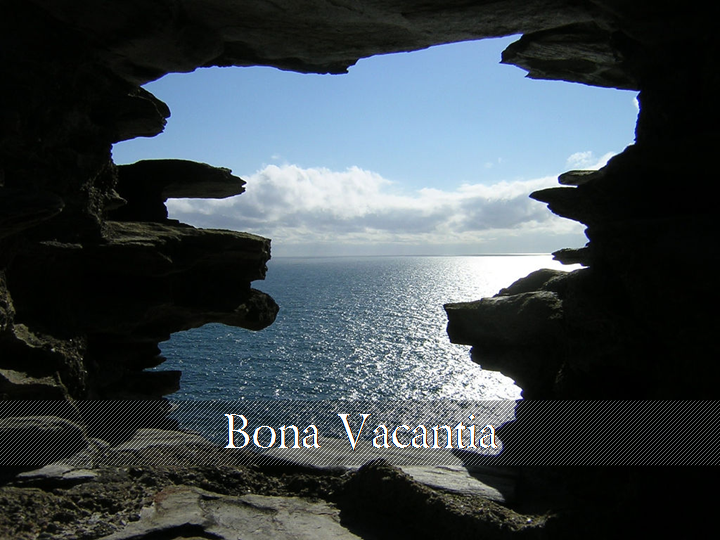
(639, 321)
(97, 55)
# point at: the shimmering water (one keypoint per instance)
(369, 328)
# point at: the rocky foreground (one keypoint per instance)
(170, 485)
(377, 501)
(122, 492)
(144, 502)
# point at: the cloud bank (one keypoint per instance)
(319, 211)
(587, 160)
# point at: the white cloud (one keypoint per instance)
(587, 160)
(317, 206)
(580, 159)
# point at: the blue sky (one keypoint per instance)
(430, 152)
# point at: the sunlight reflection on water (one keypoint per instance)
(353, 328)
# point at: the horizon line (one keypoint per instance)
(499, 254)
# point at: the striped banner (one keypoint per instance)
(351, 433)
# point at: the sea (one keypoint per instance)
(352, 328)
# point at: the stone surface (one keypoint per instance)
(457, 479)
(192, 512)
(577, 178)
(582, 52)
(573, 256)
(532, 282)
(447, 470)
(179, 36)
(148, 500)
(400, 497)
(522, 317)
(56, 474)
(20, 385)
(147, 438)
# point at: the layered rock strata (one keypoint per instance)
(145, 186)
(637, 322)
(86, 315)
(93, 275)
(73, 70)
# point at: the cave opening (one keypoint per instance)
(413, 166)
(85, 298)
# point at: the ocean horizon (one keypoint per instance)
(356, 328)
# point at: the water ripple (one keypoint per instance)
(352, 328)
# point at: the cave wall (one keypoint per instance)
(93, 275)
(638, 321)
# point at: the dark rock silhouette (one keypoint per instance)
(148, 184)
(93, 277)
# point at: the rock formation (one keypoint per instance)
(93, 275)
(636, 323)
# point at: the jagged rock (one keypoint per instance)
(493, 485)
(146, 185)
(196, 276)
(181, 179)
(567, 202)
(137, 114)
(180, 36)
(534, 281)
(158, 278)
(55, 475)
(573, 256)
(380, 493)
(578, 178)
(638, 184)
(19, 385)
(581, 52)
(7, 312)
(136, 355)
(519, 335)
(144, 384)
(453, 471)
(50, 368)
(147, 438)
(94, 56)
(530, 317)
